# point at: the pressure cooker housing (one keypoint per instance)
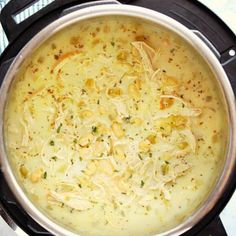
(226, 183)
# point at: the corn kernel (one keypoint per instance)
(122, 56)
(36, 176)
(144, 146)
(24, 171)
(101, 129)
(99, 148)
(81, 103)
(102, 110)
(114, 92)
(118, 130)
(182, 145)
(86, 114)
(138, 83)
(152, 138)
(122, 186)
(136, 121)
(170, 81)
(163, 126)
(62, 168)
(166, 103)
(133, 91)
(165, 168)
(85, 140)
(89, 83)
(119, 151)
(179, 122)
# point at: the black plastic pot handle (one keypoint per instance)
(14, 7)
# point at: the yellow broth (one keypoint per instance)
(115, 126)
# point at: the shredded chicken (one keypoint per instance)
(103, 147)
(179, 107)
(72, 200)
(147, 54)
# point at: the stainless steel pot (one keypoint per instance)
(210, 57)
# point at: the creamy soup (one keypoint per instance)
(116, 127)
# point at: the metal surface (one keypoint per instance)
(10, 222)
(207, 42)
(144, 14)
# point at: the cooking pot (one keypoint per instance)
(226, 182)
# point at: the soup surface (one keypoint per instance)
(115, 127)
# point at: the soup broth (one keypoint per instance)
(115, 126)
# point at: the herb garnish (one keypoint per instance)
(127, 119)
(140, 157)
(45, 175)
(51, 143)
(142, 183)
(94, 129)
(83, 91)
(59, 128)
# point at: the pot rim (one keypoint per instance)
(159, 19)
